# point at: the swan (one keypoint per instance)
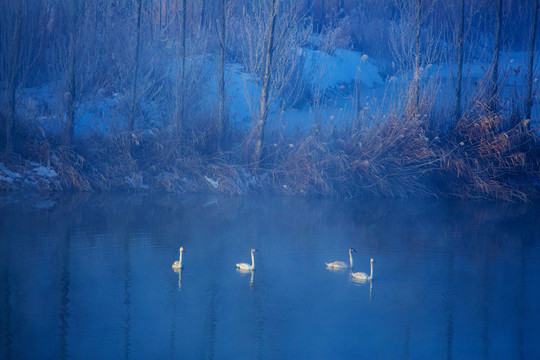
(244, 266)
(341, 264)
(178, 264)
(364, 276)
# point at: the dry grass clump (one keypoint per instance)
(66, 162)
(393, 158)
(486, 159)
(309, 165)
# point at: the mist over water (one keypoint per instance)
(89, 276)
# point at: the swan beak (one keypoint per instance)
(353, 250)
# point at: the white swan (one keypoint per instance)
(178, 264)
(341, 264)
(244, 266)
(364, 276)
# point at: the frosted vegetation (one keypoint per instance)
(316, 97)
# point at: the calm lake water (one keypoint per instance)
(89, 277)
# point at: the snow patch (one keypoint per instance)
(212, 182)
(6, 173)
(6, 179)
(136, 182)
(323, 70)
(45, 171)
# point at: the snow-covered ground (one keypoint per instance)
(330, 78)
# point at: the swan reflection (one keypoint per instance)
(245, 272)
(179, 272)
(361, 282)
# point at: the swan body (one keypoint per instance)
(178, 264)
(244, 266)
(362, 275)
(341, 264)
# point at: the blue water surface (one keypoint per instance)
(90, 277)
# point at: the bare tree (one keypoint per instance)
(460, 59)
(12, 78)
(222, 36)
(528, 100)
(75, 11)
(136, 69)
(269, 41)
(495, 73)
(180, 115)
(259, 126)
(416, 79)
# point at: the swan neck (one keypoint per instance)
(180, 259)
(252, 261)
(350, 258)
(371, 274)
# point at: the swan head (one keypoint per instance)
(372, 261)
(182, 249)
(253, 250)
(352, 250)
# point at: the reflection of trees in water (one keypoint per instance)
(521, 301)
(407, 343)
(451, 294)
(65, 278)
(486, 303)
(212, 320)
(259, 315)
(127, 296)
(172, 338)
(6, 304)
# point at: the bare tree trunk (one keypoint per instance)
(528, 100)
(12, 82)
(180, 115)
(167, 15)
(460, 60)
(183, 39)
(70, 113)
(136, 69)
(203, 14)
(260, 125)
(495, 73)
(416, 80)
(160, 18)
(221, 104)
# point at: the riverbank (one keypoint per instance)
(482, 156)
